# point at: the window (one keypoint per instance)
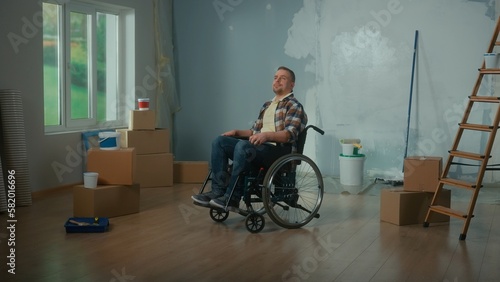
(84, 70)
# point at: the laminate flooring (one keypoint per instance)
(171, 239)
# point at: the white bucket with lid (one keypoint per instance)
(352, 169)
(109, 140)
(90, 179)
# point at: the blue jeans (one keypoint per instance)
(245, 157)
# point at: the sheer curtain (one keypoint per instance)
(167, 100)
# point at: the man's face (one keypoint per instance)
(282, 83)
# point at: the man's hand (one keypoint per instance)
(229, 133)
(259, 138)
(238, 133)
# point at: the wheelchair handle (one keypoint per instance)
(320, 131)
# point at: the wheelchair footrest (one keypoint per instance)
(201, 205)
(230, 209)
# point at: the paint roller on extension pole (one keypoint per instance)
(396, 182)
(411, 94)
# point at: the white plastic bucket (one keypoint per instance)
(351, 169)
(109, 140)
(90, 179)
(491, 60)
(347, 149)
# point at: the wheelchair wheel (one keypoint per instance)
(293, 191)
(218, 215)
(254, 222)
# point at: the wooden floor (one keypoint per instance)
(173, 240)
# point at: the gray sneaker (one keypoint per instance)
(204, 198)
(220, 203)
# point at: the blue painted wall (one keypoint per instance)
(353, 61)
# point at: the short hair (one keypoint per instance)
(292, 74)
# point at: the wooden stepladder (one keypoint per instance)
(480, 158)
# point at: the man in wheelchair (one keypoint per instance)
(274, 134)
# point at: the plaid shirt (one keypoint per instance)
(289, 116)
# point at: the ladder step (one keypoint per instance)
(458, 183)
(486, 99)
(489, 71)
(479, 127)
(448, 211)
(467, 155)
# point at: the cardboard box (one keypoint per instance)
(145, 141)
(155, 170)
(190, 171)
(422, 173)
(106, 200)
(142, 120)
(408, 207)
(115, 167)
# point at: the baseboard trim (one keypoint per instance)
(51, 191)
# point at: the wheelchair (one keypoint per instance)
(290, 191)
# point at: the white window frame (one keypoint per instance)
(125, 75)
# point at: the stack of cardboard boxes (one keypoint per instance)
(142, 161)
(410, 204)
(117, 192)
(152, 147)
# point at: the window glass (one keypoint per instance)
(51, 70)
(107, 64)
(79, 66)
